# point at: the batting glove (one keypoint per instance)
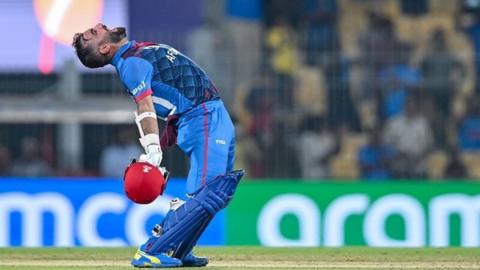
(153, 155)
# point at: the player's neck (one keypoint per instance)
(117, 46)
(122, 42)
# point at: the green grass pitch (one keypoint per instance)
(250, 258)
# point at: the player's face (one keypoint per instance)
(95, 34)
(94, 46)
(101, 34)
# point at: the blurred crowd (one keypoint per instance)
(360, 89)
(322, 89)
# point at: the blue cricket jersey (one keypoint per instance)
(176, 83)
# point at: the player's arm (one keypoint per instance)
(146, 120)
(149, 124)
(136, 74)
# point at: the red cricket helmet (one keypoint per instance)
(143, 182)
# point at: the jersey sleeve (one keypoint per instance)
(136, 75)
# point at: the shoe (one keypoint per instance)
(191, 260)
(162, 260)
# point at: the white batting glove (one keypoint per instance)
(153, 155)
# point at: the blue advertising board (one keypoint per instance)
(84, 212)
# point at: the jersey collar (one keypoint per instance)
(121, 50)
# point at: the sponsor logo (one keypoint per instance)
(217, 141)
(70, 224)
(146, 168)
(152, 47)
(423, 226)
(137, 89)
(32, 209)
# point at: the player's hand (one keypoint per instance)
(153, 156)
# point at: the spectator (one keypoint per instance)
(376, 158)
(341, 111)
(455, 169)
(282, 58)
(378, 42)
(208, 45)
(320, 22)
(411, 136)
(116, 157)
(30, 163)
(280, 41)
(260, 127)
(414, 7)
(287, 10)
(282, 161)
(5, 161)
(469, 126)
(471, 24)
(247, 152)
(442, 72)
(379, 47)
(316, 146)
(437, 121)
(395, 81)
(244, 24)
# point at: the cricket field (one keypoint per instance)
(251, 258)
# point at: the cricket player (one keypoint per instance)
(168, 85)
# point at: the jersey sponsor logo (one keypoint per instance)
(138, 88)
(222, 142)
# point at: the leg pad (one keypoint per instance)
(183, 227)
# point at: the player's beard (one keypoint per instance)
(117, 34)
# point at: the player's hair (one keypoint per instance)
(87, 54)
